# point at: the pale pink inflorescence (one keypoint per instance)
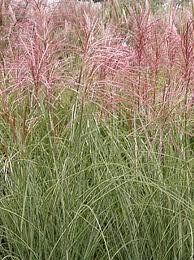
(31, 58)
(149, 65)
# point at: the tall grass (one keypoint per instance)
(96, 132)
(96, 192)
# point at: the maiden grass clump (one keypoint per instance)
(96, 132)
